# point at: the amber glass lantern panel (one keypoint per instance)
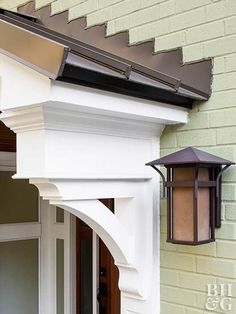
(183, 206)
(203, 207)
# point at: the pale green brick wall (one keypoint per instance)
(211, 127)
(204, 28)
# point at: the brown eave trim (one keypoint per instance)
(75, 46)
(195, 90)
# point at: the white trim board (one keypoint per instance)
(19, 231)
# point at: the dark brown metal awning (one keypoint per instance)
(195, 77)
(60, 57)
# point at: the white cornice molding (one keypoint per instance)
(100, 139)
(51, 116)
(24, 119)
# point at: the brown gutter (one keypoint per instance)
(41, 54)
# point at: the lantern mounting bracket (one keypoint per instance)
(163, 179)
(218, 180)
(218, 196)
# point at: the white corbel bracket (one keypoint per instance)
(120, 231)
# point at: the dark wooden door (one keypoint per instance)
(108, 294)
(84, 268)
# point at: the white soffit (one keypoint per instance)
(92, 100)
(22, 86)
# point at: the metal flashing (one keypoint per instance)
(40, 53)
(84, 76)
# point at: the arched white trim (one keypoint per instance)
(106, 225)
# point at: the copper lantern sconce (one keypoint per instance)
(193, 189)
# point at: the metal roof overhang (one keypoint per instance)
(37, 52)
(62, 58)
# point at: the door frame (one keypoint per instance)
(51, 231)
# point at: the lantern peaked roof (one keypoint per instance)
(189, 155)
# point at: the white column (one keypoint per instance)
(47, 261)
(78, 144)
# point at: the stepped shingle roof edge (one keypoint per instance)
(194, 77)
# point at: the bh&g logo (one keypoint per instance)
(219, 297)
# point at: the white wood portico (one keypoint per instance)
(78, 145)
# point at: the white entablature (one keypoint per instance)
(77, 145)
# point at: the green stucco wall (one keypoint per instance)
(204, 29)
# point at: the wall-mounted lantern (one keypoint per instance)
(193, 189)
